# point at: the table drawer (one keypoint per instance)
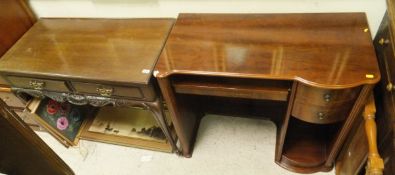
(326, 97)
(143, 93)
(37, 84)
(64, 121)
(321, 114)
(129, 126)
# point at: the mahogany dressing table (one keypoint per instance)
(99, 63)
(311, 74)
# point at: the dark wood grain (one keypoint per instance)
(385, 102)
(309, 112)
(323, 106)
(91, 61)
(310, 147)
(183, 114)
(126, 91)
(348, 123)
(22, 151)
(385, 97)
(16, 18)
(110, 50)
(325, 54)
(322, 50)
(306, 147)
(282, 124)
(354, 151)
(326, 97)
(386, 150)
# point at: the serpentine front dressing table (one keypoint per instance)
(309, 73)
(96, 62)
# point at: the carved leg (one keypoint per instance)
(156, 108)
(375, 164)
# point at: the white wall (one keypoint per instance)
(374, 9)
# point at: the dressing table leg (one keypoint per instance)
(183, 116)
(156, 108)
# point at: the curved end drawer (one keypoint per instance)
(323, 106)
(326, 97)
(320, 114)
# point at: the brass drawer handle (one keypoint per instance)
(390, 87)
(327, 97)
(37, 85)
(107, 92)
(321, 115)
(383, 41)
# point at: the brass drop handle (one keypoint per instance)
(321, 115)
(327, 97)
(107, 92)
(383, 41)
(37, 85)
(390, 87)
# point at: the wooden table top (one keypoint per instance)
(323, 50)
(110, 50)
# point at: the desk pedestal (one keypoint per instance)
(313, 122)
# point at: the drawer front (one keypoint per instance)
(38, 84)
(142, 93)
(320, 114)
(326, 97)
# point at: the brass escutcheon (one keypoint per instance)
(390, 87)
(37, 85)
(327, 97)
(321, 115)
(107, 92)
(383, 41)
